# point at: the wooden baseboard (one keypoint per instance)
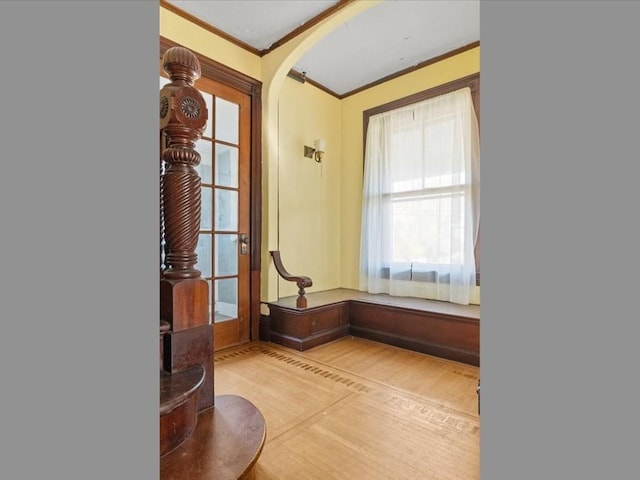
(418, 345)
(265, 328)
(435, 333)
(302, 344)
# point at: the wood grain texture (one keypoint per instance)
(437, 328)
(441, 334)
(225, 444)
(184, 303)
(186, 348)
(304, 329)
(355, 409)
(338, 295)
(178, 406)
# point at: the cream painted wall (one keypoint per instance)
(309, 192)
(275, 66)
(452, 68)
(196, 38)
(301, 199)
(311, 212)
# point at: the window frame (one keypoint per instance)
(472, 82)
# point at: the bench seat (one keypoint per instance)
(433, 327)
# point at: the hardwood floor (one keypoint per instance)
(356, 409)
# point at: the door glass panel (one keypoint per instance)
(226, 299)
(208, 100)
(226, 115)
(206, 208)
(226, 166)
(226, 209)
(222, 194)
(210, 285)
(203, 250)
(203, 147)
(226, 259)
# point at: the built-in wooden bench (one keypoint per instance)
(437, 328)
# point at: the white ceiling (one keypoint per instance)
(387, 38)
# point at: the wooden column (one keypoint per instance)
(184, 295)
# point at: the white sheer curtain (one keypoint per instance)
(421, 198)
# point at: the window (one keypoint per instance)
(421, 200)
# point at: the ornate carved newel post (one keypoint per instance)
(184, 295)
(220, 442)
(183, 116)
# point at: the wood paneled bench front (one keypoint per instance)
(437, 328)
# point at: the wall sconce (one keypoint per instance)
(317, 151)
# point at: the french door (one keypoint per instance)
(223, 249)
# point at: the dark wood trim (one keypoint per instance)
(311, 81)
(302, 78)
(434, 333)
(472, 81)
(256, 176)
(474, 91)
(254, 314)
(219, 72)
(236, 41)
(301, 29)
(417, 345)
(420, 65)
(307, 25)
(228, 76)
(256, 207)
(454, 335)
(210, 28)
(305, 329)
(311, 341)
(265, 328)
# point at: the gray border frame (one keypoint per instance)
(79, 214)
(559, 315)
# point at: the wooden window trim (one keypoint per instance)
(472, 81)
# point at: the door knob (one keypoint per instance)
(244, 241)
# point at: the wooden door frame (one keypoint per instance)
(227, 76)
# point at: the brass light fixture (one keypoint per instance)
(317, 151)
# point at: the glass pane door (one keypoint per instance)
(222, 250)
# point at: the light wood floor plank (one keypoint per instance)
(450, 382)
(355, 409)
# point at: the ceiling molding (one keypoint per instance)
(301, 77)
(236, 41)
(210, 28)
(303, 28)
(418, 66)
(307, 25)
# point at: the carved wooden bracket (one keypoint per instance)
(301, 281)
